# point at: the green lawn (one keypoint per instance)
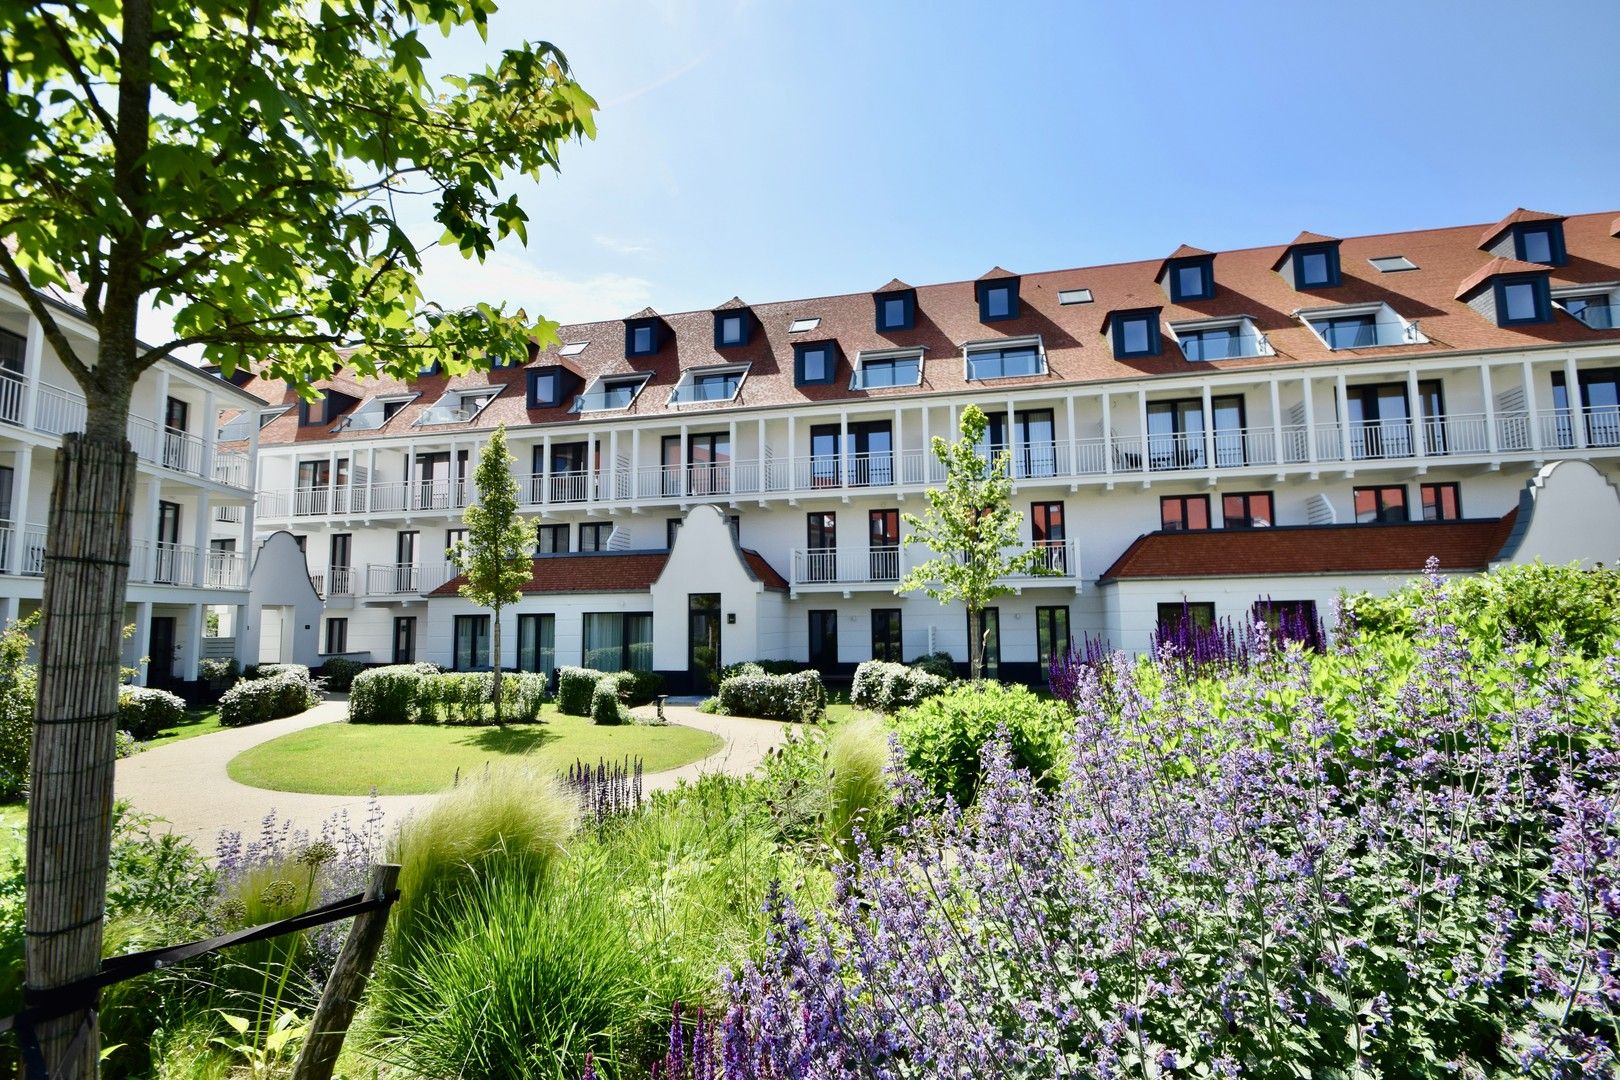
(13, 820)
(412, 759)
(197, 722)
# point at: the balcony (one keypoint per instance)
(337, 581)
(184, 566)
(22, 549)
(405, 579)
(835, 569)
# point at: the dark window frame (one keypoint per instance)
(1184, 501)
(1439, 487)
(1381, 508)
(982, 291)
(829, 349)
(1205, 264)
(625, 643)
(892, 646)
(472, 621)
(1247, 519)
(337, 634)
(1167, 614)
(536, 400)
(600, 532)
(1330, 253)
(908, 318)
(828, 620)
(1554, 231)
(1541, 293)
(746, 318)
(655, 337)
(553, 531)
(1150, 318)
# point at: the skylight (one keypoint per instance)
(1074, 296)
(573, 348)
(799, 326)
(1389, 264)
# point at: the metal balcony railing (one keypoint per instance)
(22, 549)
(884, 566)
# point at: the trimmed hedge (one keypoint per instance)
(799, 696)
(338, 673)
(576, 686)
(270, 671)
(253, 701)
(936, 663)
(144, 711)
(888, 687)
(421, 694)
(605, 705)
(944, 737)
(639, 687)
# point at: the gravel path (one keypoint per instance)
(185, 783)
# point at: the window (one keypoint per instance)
(896, 310)
(717, 385)
(1007, 362)
(1349, 331)
(883, 544)
(1196, 615)
(1247, 510)
(618, 641)
(1593, 309)
(610, 393)
(1176, 435)
(1381, 419)
(471, 643)
(1290, 620)
(1522, 300)
(573, 348)
(998, 299)
(593, 536)
(1192, 281)
(708, 464)
(821, 546)
(990, 639)
(13, 349)
(1316, 267)
(1052, 636)
(867, 458)
(537, 643)
(452, 537)
(545, 389)
(732, 328)
(1218, 342)
(1600, 405)
(642, 336)
(1441, 502)
(1392, 264)
(313, 413)
(337, 636)
(551, 540)
(802, 326)
(1380, 504)
(1067, 297)
(814, 362)
(390, 409)
(1542, 242)
(1136, 333)
(405, 639)
(876, 372)
(886, 637)
(1179, 513)
(1048, 534)
(823, 651)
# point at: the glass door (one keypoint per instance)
(821, 547)
(168, 543)
(1176, 434)
(537, 643)
(823, 640)
(405, 639)
(708, 470)
(472, 642)
(703, 639)
(1052, 636)
(883, 545)
(1037, 441)
(176, 414)
(1380, 421)
(871, 453)
(1047, 532)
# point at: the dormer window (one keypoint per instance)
(880, 370)
(1192, 282)
(374, 414)
(896, 307)
(1522, 299)
(545, 388)
(708, 384)
(328, 407)
(431, 368)
(1005, 359)
(641, 341)
(1136, 333)
(815, 363)
(733, 325)
(1541, 242)
(1361, 326)
(457, 408)
(644, 333)
(998, 299)
(1230, 339)
(610, 392)
(1188, 274)
(1594, 308)
(1316, 267)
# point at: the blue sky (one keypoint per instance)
(781, 149)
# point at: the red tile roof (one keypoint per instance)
(1515, 218)
(894, 285)
(1313, 549)
(1077, 349)
(611, 571)
(1496, 266)
(1305, 237)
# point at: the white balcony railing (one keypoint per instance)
(884, 566)
(22, 550)
(405, 579)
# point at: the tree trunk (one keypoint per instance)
(495, 663)
(975, 643)
(70, 804)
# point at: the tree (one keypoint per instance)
(497, 557)
(972, 528)
(254, 165)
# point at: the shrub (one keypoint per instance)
(887, 687)
(338, 673)
(212, 670)
(462, 696)
(639, 687)
(743, 667)
(387, 695)
(270, 671)
(144, 711)
(17, 683)
(605, 706)
(936, 663)
(523, 696)
(799, 696)
(944, 737)
(575, 685)
(253, 701)
(125, 745)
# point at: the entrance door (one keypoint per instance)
(823, 640)
(337, 566)
(160, 650)
(883, 545)
(537, 643)
(1051, 636)
(405, 639)
(176, 417)
(703, 639)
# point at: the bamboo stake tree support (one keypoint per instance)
(347, 983)
(75, 716)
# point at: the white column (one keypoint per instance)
(1487, 396)
(843, 446)
(1419, 420)
(200, 532)
(1342, 396)
(371, 477)
(33, 370)
(143, 637)
(1572, 394)
(410, 496)
(613, 467)
(793, 451)
(1530, 405)
(686, 460)
(210, 434)
(1142, 423)
(1074, 443)
(1308, 391)
(761, 485)
(8, 611)
(157, 431)
(21, 481)
(1278, 457)
(331, 480)
(1209, 427)
(1012, 440)
(731, 458)
(191, 653)
(1108, 432)
(255, 478)
(152, 490)
(897, 467)
(545, 470)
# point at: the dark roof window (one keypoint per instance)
(1540, 242)
(644, 334)
(997, 293)
(1189, 274)
(733, 327)
(546, 387)
(896, 309)
(815, 363)
(1522, 299)
(1136, 332)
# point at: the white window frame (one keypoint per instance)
(347, 423)
(1608, 290)
(573, 348)
(690, 376)
(861, 358)
(996, 345)
(1383, 315)
(1244, 323)
(805, 325)
(487, 393)
(641, 377)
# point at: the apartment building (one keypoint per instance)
(193, 510)
(1189, 436)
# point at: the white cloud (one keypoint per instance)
(455, 282)
(622, 246)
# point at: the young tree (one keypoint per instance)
(497, 556)
(972, 529)
(258, 167)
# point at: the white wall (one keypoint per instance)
(705, 559)
(1570, 512)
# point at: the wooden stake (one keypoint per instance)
(347, 983)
